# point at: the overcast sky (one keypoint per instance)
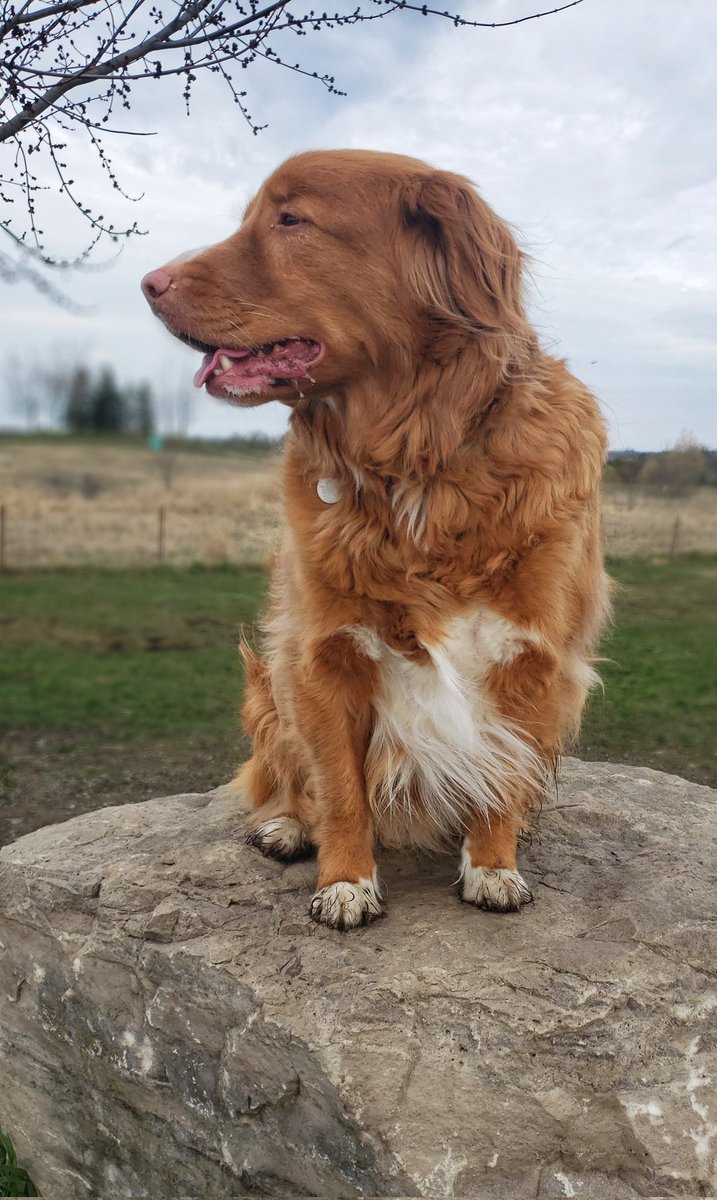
(591, 131)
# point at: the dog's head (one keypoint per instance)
(347, 263)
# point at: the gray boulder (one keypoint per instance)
(173, 1024)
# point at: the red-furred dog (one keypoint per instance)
(439, 589)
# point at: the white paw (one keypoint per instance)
(282, 837)
(494, 888)
(346, 905)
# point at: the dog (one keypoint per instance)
(439, 591)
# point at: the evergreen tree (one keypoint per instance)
(108, 408)
(139, 415)
(79, 404)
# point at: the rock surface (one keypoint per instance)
(172, 1024)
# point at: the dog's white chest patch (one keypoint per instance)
(328, 490)
(440, 752)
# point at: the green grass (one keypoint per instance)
(140, 652)
(119, 685)
(14, 1180)
(660, 701)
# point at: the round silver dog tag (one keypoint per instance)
(328, 490)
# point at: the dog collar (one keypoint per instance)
(328, 490)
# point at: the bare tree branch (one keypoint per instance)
(66, 67)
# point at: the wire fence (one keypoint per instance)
(637, 523)
(117, 537)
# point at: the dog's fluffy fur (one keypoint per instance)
(433, 618)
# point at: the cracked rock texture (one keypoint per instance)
(172, 1024)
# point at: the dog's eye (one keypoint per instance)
(287, 218)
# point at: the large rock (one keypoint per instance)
(172, 1024)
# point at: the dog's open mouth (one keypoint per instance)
(272, 365)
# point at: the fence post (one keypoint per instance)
(160, 536)
(675, 537)
(2, 537)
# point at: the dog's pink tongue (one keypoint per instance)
(202, 375)
(210, 363)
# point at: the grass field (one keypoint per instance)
(659, 706)
(120, 685)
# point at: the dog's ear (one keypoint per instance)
(464, 264)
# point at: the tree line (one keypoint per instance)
(81, 399)
(99, 404)
(675, 471)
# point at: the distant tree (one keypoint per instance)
(25, 388)
(78, 388)
(139, 409)
(625, 467)
(100, 405)
(264, 443)
(108, 408)
(711, 467)
(184, 409)
(175, 405)
(678, 470)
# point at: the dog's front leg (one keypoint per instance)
(489, 875)
(537, 699)
(334, 715)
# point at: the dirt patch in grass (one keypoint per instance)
(49, 777)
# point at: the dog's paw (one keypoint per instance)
(346, 905)
(496, 889)
(282, 837)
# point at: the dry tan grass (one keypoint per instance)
(69, 503)
(641, 521)
(98, 503)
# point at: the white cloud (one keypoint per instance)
(589, 130)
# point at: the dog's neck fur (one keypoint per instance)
(407, 426)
